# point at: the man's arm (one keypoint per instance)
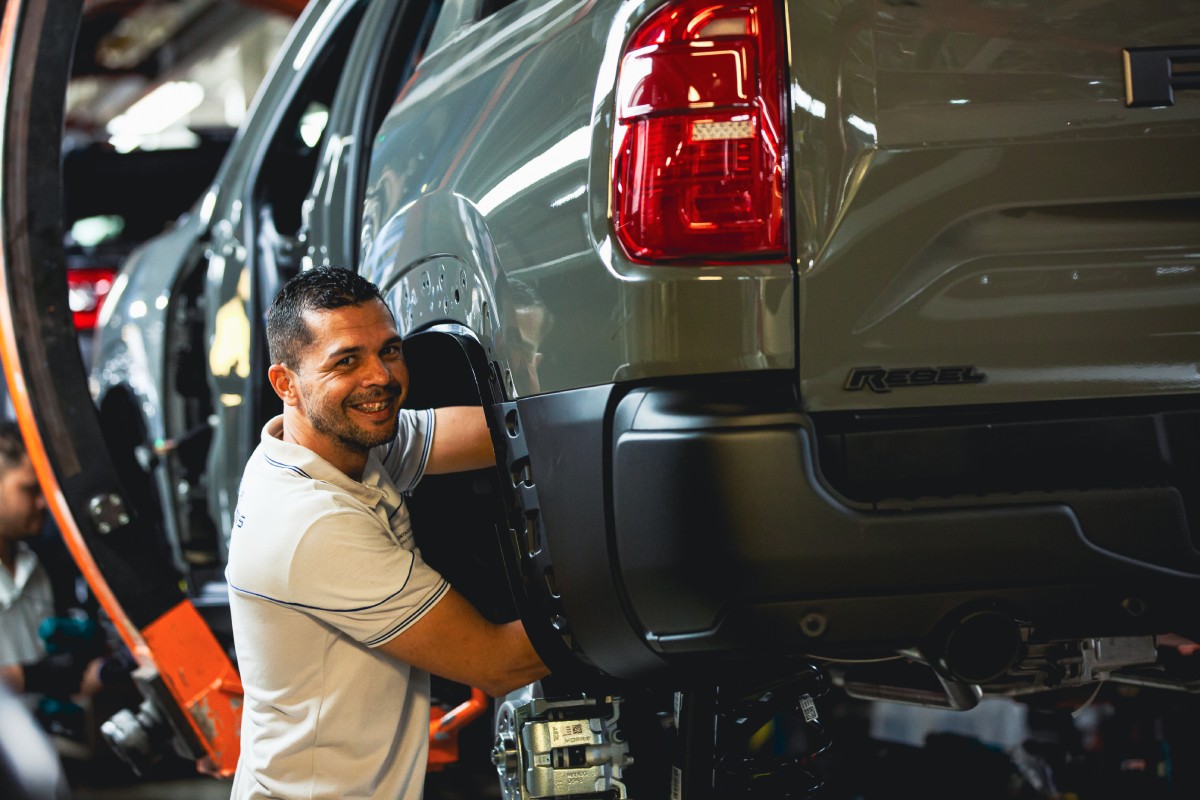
(452, 640)
(460, 441)
(61, 673)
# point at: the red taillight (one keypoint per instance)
(86, 290)
(698, 151)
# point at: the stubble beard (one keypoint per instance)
(334, 422)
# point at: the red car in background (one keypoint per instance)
(114, 201)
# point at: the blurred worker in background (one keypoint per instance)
(41, 653)
(26, 597)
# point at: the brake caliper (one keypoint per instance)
(560, 748)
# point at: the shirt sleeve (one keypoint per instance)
(405, 457)
(353, 576)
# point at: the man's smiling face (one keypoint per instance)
(352, 379)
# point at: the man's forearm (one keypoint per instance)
(452, 640)
(461, 440)
(523, 667)
(13, 676)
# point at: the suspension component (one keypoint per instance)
(559, 748)
(746, 769)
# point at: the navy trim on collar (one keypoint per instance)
(288, 467)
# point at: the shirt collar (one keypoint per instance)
(26, 563)
(309, 463)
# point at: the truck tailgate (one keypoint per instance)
(981, 217)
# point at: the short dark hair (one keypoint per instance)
(12, 445)
(318, 289)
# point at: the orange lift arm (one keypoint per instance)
(191, 687)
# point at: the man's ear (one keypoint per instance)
(283, 381)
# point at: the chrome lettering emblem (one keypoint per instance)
(881, 380)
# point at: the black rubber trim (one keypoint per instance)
(473, 527)
(689, 527)
(562, 453)
(728, 537)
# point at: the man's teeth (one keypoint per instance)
(371, 408)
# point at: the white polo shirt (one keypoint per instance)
(26, 598)
(322, 569)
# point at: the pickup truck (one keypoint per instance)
(823, 342)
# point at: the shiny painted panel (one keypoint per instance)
(331, 209)
(487, 205)
(973, 190)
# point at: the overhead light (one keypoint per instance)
(91, 231)
(154, 113)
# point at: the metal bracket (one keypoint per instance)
(559, 748)
(108, 512)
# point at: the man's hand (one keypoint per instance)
(92, 684)
(206, 766)
(461, 441)
(1185, 647)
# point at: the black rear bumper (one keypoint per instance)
(692, 527)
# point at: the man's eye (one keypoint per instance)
(391, 351)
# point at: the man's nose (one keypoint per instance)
(376, 371)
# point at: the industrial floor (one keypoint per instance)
(94, 772)
(1119, 744)
(110, 780)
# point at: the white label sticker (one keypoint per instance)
(570, 732)
(676, 784)
(809, 708)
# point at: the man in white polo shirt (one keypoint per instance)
(337, 621)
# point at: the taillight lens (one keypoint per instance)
(86, 290)
(698, 151)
